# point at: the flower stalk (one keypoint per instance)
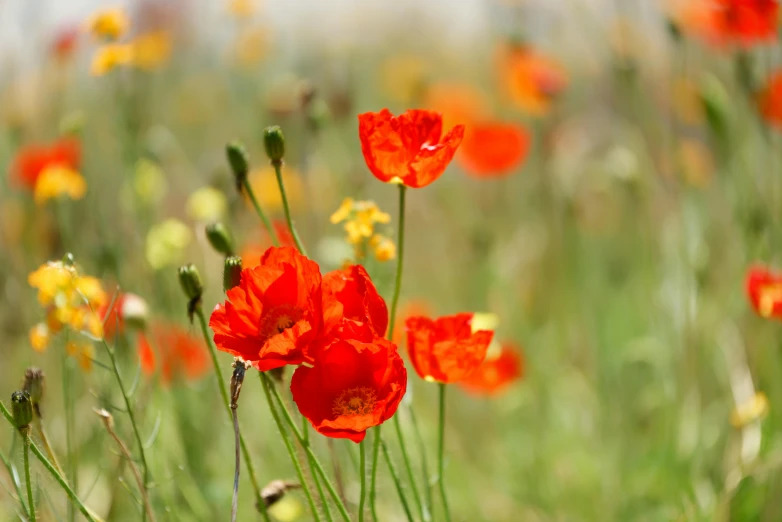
(441, 455)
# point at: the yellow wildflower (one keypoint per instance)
(109, 24)
(109, 57)
(264, 183)
(57, 180)
(360, 218)
(151, 50)
(39, 337)
(384, 248)
(83, 352)
(753, 410)
(343, 212)
(52, 281)
(166, 242)
(207, 204)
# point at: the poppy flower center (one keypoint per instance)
(770, 296)
(355, 401)
(279, 319)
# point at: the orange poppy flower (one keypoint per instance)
(274, 313)
(32, 160)
(741, 22)
(497, 372)
(446, 349)
(356, 382)
(493, 149)
(350, 294)
(408, 149)
(770, 100)
(764, 289)
(252, 253)
(531, 80)
(173, 351)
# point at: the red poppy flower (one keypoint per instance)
(274, 313)
(721, 22)
(32, 160)
(493, 149)
(764, 289)
(497, 372)
(408, 149)
(357, 382)
(173, 351)
(350, 294)
(445, 349)
(770, 100)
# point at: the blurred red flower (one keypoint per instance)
(356, 382)
(127, 308)
(252, 253)
(446, 349)
(173, 351)
(764, 289)
(64, 43)
(274, 313)
(742, 22)
(408, 149)
(532, 81)
(32, 160)
(770, 100)
(493, 149)
(497, 372)
(350, 294)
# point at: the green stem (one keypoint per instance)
(13, 476)
(69, 421)
(408, 466)
(441, 453)
(289, 446)
(399, 263)
(289, 419)
(424, 464)
(91, 517)
(248, 463)
(132, 417)
(258, 210)
(397, 483)
(30, 499)
(363, 473)
(278, 172)
(373, 478)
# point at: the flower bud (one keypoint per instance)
(220, 238)
(22, 409)
(274, 141)
(34, 384)
(68, 259)
(237, 158)
(232, 272)
(190, 280)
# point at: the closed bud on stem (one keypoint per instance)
(68, 259)
(274, 142)
(220, 238)
(34, 384)
(190, 280)
(240, 165)
(22, 409)
(232, 272)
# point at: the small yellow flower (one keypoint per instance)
(343, 212)
(384, 248)
(151, 50)
(56, 181)
(264, 183)
(83, 352)
(51, 280)
(109, 57)
(39, 337)
(207, 204)
(166, 243)
(753, 410)
(109, 24)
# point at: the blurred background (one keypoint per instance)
(619, 180)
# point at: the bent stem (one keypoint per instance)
(227, 402)
(265, 384)
(30, 498)
(363, 473)
(258, 210)
(305, 444)
(89, 515)
(441, 453)
(278, 172)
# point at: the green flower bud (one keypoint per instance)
(240, 165)
(220, 238)
(22, 408)
(68, 259)
(232, 272)
(190, 280)
(274, 141)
